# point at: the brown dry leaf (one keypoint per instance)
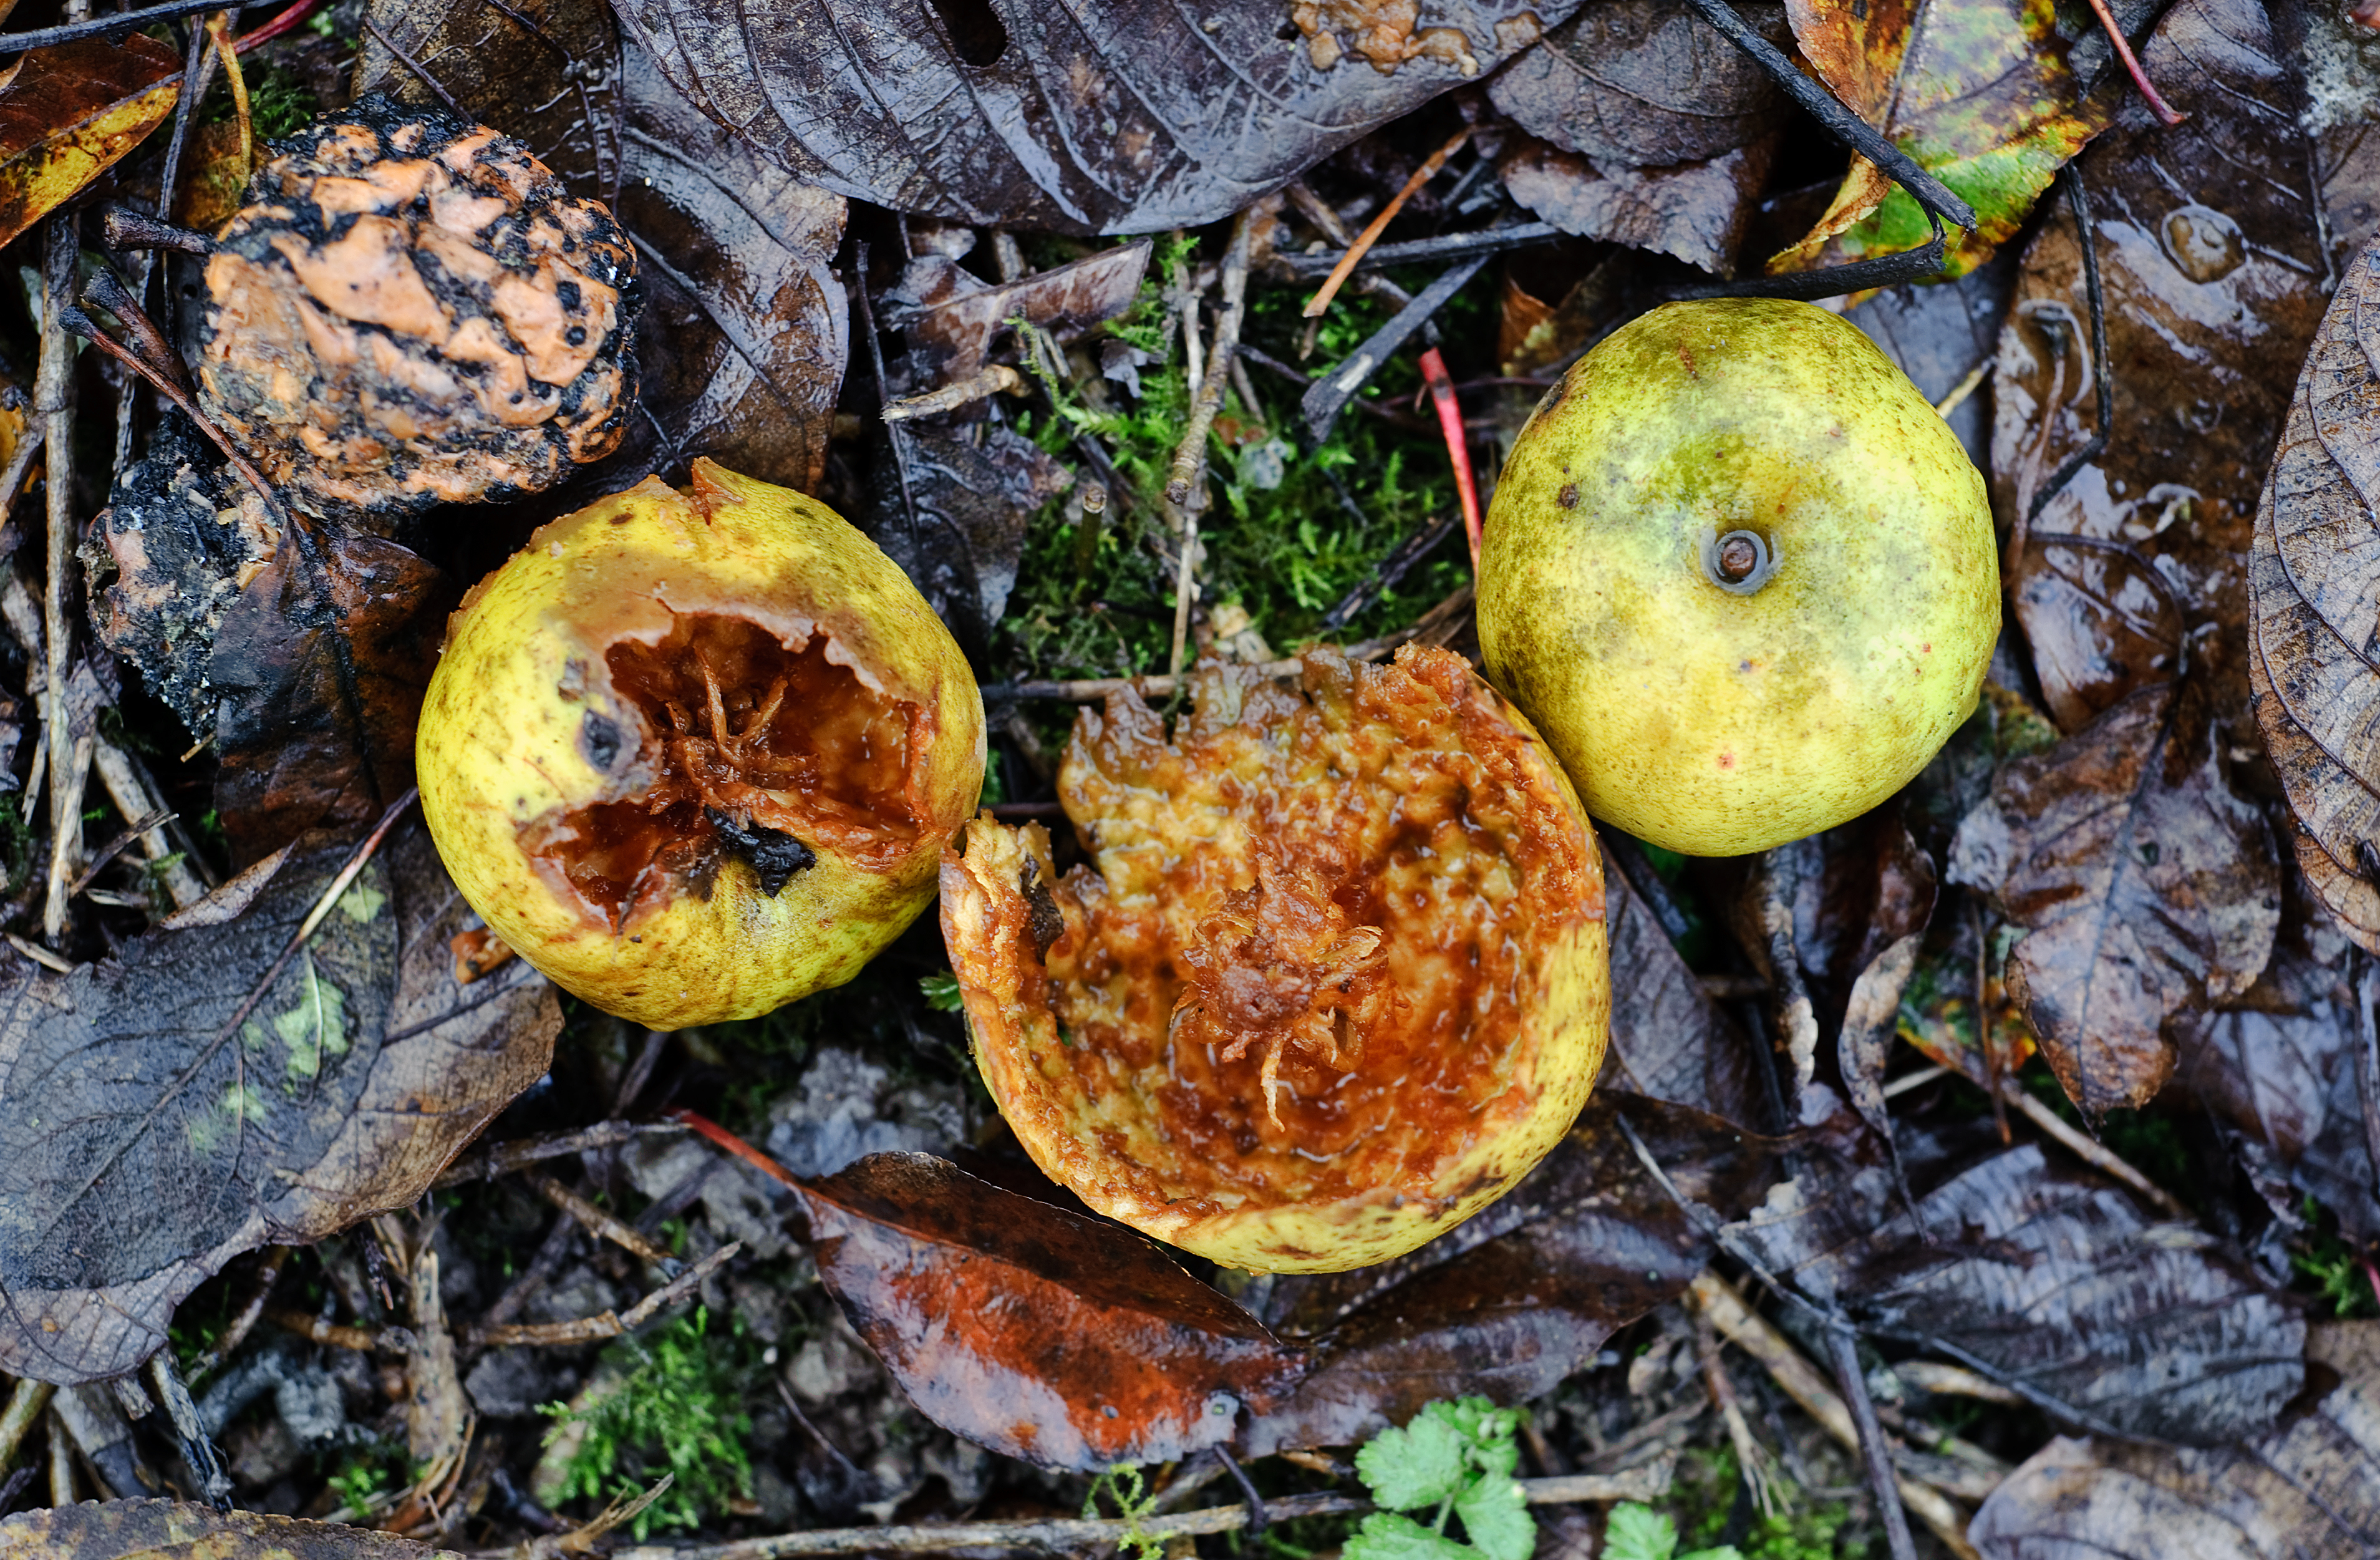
(1645, 82)
(2048, 1275)
(1693, 211)
(960, 535)
(744, 332)
(68, 114)
(2317, 619)
(2310, 1491)
(1045, 1334)
(319, 667)
(951, 319)
(1669, 1040)
(2214, 278)
(1111, 116)
(2148, 889)
(149, 1530)
(148, 1140)
(1978, 91)
(1523, 1296)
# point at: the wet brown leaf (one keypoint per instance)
(971, 503)
(2147, 888)
(148, 1140)
(151, 1530)
(1669, 1040)
(2214, 278)
(1645, 82)
(744, 332)
(319, 667)
(2308, 1492)
(1523, 1296)
(1693, 211)
(2049, 1275)
(1114, 117)
(2316, 619)
(1047, 1334)
(1978, 91)
(68, 114)
(2285, 1064)
(952, 318)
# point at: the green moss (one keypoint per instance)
(2331, 1270)
(677, 1411)
(1703, 1498)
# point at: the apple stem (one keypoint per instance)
(1458, 446)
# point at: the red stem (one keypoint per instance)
(737, 1147)
(2149, 94)
(2371, 1276)
(1449, 422)
(276, 26)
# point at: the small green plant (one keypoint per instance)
(1130, 1494)
(676, 1411)
(1455, 1459)
(367, 1477)
(2340, 1274)
(1639, 1532)
(941, 992)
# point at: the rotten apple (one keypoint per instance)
(1334, 979)
(696, 754)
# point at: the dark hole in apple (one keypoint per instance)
(766, 755)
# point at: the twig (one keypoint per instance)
(1393, 568)
(199, 1453)
(605, 1324)
(115, 24)
(53, 408)
(1750, 1457)
(1332, 389)
(1955, 1381)
(2167, 115)
(125, 229)
(1874, 1450)
(2098, 1155)
(414, 65)
(1077, 1534)
(121, 777)
(26, 1402)
(1458, 444)
(1917, 1080)
(65, 824)
(82, 324)
(115, 848)
(362, 1340)
(1751, 1332)
(893, 431)
(1320, 301)
(612, 1229)
(2078, 200)
(502, 1159)
(1190, 455)
(219, 30)
(40, 955)
(1422, 251)
(1965, 388)
(243, 1320)
(995, 379)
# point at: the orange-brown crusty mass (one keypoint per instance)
(1334, 978)
(412, 309)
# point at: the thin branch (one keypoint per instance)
(2078, 200)
(502, 1159)
(605, 1324)
(2098, 1155)
(1190, 455)
(243, 1320)
(420, 73)
(1320, 301)
(1458, 444)
(1335, 387)
(616, 1231)
(115, 847)
(26, 1403)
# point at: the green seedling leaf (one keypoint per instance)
(1639, 1532)
(1420, 1465)
(1386, 1537)
(1496, 1517)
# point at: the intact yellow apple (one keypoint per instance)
(695, 755)
(1739, 574)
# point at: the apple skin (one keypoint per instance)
(1704, 721)
(503, 747)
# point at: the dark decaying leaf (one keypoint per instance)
(319, 668)
(1045, 1334)
(68, 113)
(1693, 211)
(2284, 1065)
(1939, 333)
(2046, 1274)
(2215, 277)
(1669, 1040)
(1110, 117)
(2316, 576)
(745, 333)
(2147, 888)
(1645, 82)
(153, 1530)
(961, 534)
(1978, 91)
(2310, 1491)
(952, 318)
(1523, 1294)
(147, 1140)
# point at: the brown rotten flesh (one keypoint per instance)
(1332, 980)
(410, 309)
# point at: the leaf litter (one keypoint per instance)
(1029, 498)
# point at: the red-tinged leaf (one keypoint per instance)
(68, 113)
(147, 1530)
(1047, 1334)
(1523, 1296)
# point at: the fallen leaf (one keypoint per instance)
(745, 332)
(959, 529)
(320, 668)
(2285, 1064)
(2147, 888)
(151, 1530)
(1978, 91)
(1051, 1335)
(1941, 333)
(2310, 1491)
(1511, 1303)
(1669, 1040)
(951, 318)
(2316, 620)
(2214, 277)
(68, 114)
(1645, 82)
(2047, 1275)
(1122, 117)
(150, 1139)
(1695, 211)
